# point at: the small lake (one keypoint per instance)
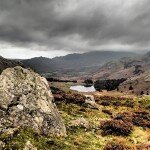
(81, 88)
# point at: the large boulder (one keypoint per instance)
(26, 101)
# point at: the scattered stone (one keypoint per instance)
(80, 122)
(29, 146)
(26, 101)
(90, 102)
(9, 133)
(2, 145)
(90, 97)
(76, 98)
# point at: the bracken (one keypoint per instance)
(116, 127)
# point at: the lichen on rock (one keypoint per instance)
(26, 101)
(29, 146)
(1, 145)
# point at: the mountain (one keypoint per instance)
(41, 64)
(89, 59)
(73, 63)
(124, 67)
(136, 70)
(6, 63)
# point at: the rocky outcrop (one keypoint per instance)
(90, 102)
(26, 101)
(80, 122)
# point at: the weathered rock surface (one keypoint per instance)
(1, 145)
(80, 122)
(90, 102)
(26, 101)
(29, 146)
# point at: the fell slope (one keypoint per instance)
(136, 70)
(74, 62)
(124, 67)
(5, 63)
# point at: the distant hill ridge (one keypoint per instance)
(6, 63)
(74, 62)
(136, 70)
(124, 67)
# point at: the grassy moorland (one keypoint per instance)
(121, 122)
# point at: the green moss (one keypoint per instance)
(144, 102)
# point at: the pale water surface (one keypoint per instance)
(81, 88)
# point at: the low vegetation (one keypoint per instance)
(109, 85)
(67, 97)
(116, 127)
(144, 102)
(115, 101)
(88, 82)
(116, 144)
(138, 118)
(121, 124)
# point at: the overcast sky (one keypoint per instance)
(51, 28)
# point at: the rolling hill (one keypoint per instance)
(6, 63)
(136, 70)
(74, 63)
(124, 68)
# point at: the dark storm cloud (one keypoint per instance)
(75, 24)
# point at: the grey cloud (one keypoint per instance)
(76, 25)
